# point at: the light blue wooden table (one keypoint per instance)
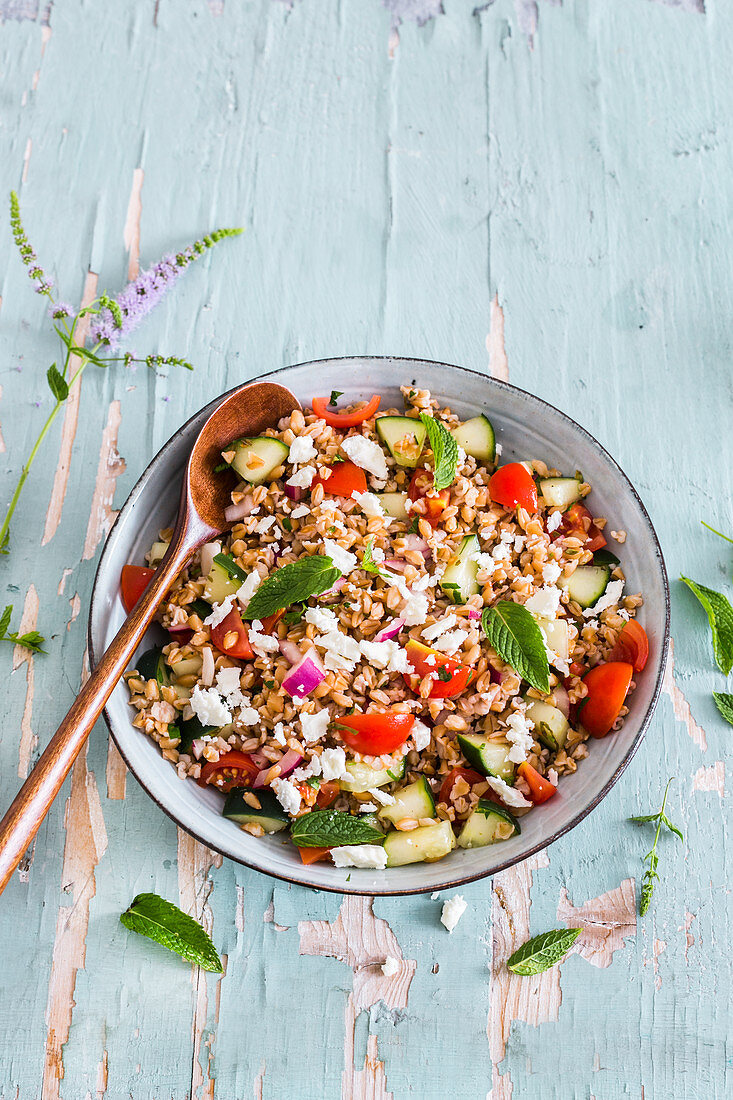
(537, 189)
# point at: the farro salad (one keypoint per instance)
(400, 646)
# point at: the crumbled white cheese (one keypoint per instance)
(248, 716)
(519, 542)
(552, 776)
(390, 967)
(462, 456)
(608, 599)
(262, 644)
(381, 796)
(341, 653)
(450, 642)
(429, 633)
(263, 526)
(551, 572)
(343, 559)
(520, 736)
(360, 855)
(227, 680)
(421, 735)
(314, 726)
(313, 767)
(545, 602)
(287, 795)
(430, 660)
(301, 450)
(300, 511)
(209, 707)
(247, 590)
(498, 450)
(509, 795)
(416, 609)
(453, 910)
(333, 763)
(219, 612)
(389, 655)
(399, 661)
(553, 521)
(367, 808)
(322, 619)
(302, 478)
(367, 454)
(624, 614)
(278, 733)
(370, 505)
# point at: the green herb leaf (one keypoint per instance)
(331, 829)
(724, 703)
(291, 584)
(200, 608)
(5, 620)
(444, 674)
(228, 564)
(515, 635)
(57, 383)
(286, 522)
(445, 452)
(718, 533)
(335, 394)
(414, 527)
(720, 617)
(543, 951)
(651, 876)
(294, 616)
(165, 923)
(32, 640)
(647, 884)
(337, 458)
(367, 562)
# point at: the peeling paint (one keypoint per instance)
(680, 705)
(26, 160)
(413, 11)
(62, 583)
(498, 363)
(131, 234)
(710, 779)
(110, 466)
(2, 441)
(607, 921)
(26, 9)
(75, 604)
(658, 947)
(115, 773)
(28, 740)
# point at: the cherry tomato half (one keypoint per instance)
(513, 487)
(376, 733)
(451, 677)
(578, 523)
(345, 478)
(327, 793)
(134, 579)
(313, 855)
(468, 774)
(632, 645)
(420, 485)
(607, 687)
(345, 420)
(540, 789)
(238, 646)
(270, 621)
(234, 769)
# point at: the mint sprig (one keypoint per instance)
(160, 920)
(543, 951)
(331, 829)
(651, 875)
(445, 452)
(724, 703)
(368, 563)
(515, 635)
(291, 584)
(32, 640)
(720, 617)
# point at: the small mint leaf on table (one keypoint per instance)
(5, 620)
(294, 583)
(57, 383)
(160, 920)
(331, 829)
(724, 703)
(445, 452)
(543, 951)
(720, 617)
(515, 635)
(32, 640)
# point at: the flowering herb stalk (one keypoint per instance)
(113, 319)
(651, 875)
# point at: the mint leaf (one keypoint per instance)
(445, 452)
(720, 617)
(367, 562)
(165, 923)
(515, 635)
(333, 399)
(724, 703)
(57, 383)
(33, 641)
(331, 829)
(293, 583)
(5, 620)
(651, 875)
(543, 951)
(228, 564)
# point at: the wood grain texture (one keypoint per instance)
(531, 188)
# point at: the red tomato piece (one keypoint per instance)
(607, 686)
(513, 487)
(327, 793)
(451, 677)
(270, 621)
(578, 523)
(221, 635)
(632, 645)
(346, 478)
(234, 769)
(376, 733)
(312, 855)
(420, 485)
(345, 420)
(134, 579)
(540, 789)
(468, 774)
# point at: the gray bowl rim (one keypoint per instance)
(541, 845)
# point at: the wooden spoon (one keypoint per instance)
(204, 497)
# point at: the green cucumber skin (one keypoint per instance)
(559, 492)
(479, 753)
(151, 666)
(391, 429)
(459, 581)
(271, 816)
(190, 730)
(588, 583)
(273, 453)
(477, 438)
(416, 801)
(426, 844)
(481, 827)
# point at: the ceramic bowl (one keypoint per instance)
(525, 427)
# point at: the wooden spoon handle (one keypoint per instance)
(22, 821)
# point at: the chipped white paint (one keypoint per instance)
(498, 363)
(131, 235)
(607, 921)
(711, 778)
(681, 707)
(115, 773)
(111, 465)
(75, 607)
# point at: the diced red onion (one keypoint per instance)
(208, 553)
(495, 675)
(260, 759)
(197, 747)
(417, 542)
(294, 492)
(304, 677)
(239, 511)
(562, 699)
(390, 631)
(182, 633)
(398, 564)
(474, 613)
(288, 763)
(291, 651)
(335, 587)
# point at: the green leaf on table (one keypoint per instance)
(291, 584)
(720, 617)
(57, 383)
(5, 620)
(331, 829)
(228, 564)
(32, 640)
(168, 925)
(445, 452)
(515, 635)
(724, 703)
(651, 875)
(543, 951)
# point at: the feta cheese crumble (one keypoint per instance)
(551, 572)
(520, 735)
(247, 590)
(360, 855)
(608, 599)
(343, 559)
(421, 735)
(333, 764)
(314, 726)
(450, 642)
(453, 910)
(509, 795)
(263, 525)
(219, 612)
(367, 454)
(287, 795)
(381, 796)
(370, 505)
(301, 450)
(209, 707)
(430, 633)
(300, 511)
(545, 602)
(302, 478)
(553, 521)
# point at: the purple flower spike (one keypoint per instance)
(57, 310)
